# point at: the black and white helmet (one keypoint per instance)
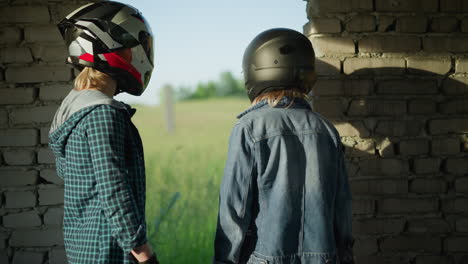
(95, 35)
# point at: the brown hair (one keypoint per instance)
(274, 97)
(90, 78)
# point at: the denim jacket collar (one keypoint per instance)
(283, 103)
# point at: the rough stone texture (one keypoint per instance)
(376, 44)
(444, 24)
(49, 92)
(429, 65)
(37, 74)
(53, 216)
(19, 157)
(21, 257)
(50, 175)
(364, 23)
(444, 44)
(20, 199)
(37, 238)
(24, 219)
(17, 96)
(39, 114)
(407, 5)
(408, 206)
(360, 66)
(45, 156)
(57, 256)
(331, 45)
(411, 24)
(322, 25)
(17, 177)
(18, 137)
(52, 196)
(407, 87)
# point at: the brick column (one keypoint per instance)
(33, 80)
(393, 78)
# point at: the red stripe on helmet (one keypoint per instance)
(115, 60)
(87, 57)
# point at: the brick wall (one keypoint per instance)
(33, 80)
(393, 78)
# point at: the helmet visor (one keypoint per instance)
(146, 41)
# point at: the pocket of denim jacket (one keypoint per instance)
(256, 260)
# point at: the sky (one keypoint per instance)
(197, 40)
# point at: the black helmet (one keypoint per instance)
(278, 59)
(94, 35)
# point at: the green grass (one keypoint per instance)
(184, 170)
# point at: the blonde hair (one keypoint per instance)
(90, 78)
(274, 97)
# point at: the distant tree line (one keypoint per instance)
(226, 85)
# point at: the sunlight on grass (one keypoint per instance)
(184, 170)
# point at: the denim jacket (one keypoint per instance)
(284, 197)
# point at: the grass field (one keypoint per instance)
(184, 170)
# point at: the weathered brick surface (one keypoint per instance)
(337, 6)
(53, 216)
(9, 35)
(408, 206)
(428, 225)
(429, 65)
(30, 257)
(426, 165)
(445, 146)
(398, 128)
(50, 175)
(428, 186)
(322, 25)
(327, 66)
(362, 23)
(378, 226)
(434, 259)
(17, 96)
(362, 187)
(454, 6)
(29, 14)
(458, 166)
(461, 185)
(359, 66)
(462, 225)
(36, 238)
(37, 74)
(57, 256)
(384, 167)
(411, 24)
(19, 157)
(407, 5)
(24, 219)
(363, 206)
(15, 55)
(45, 156)
(458, 205)
(458, 106)
(51, 196)
(377, 108)
(456, 244)
(365, 246)
(3, 118)
(39, 114)
(422, 107)
(20, 199)
(17, 177)
(49, 33)
(444, 44)
(329, 107)
(411, 243)
(455, 86)
(389, 44)
(352, 129)
(444, 24)
(331, 45)
(49, 53)
(407, 87)
(414, 147)
(342, 88)
(18, 137)
(449, 125)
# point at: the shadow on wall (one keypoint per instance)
(406, 138)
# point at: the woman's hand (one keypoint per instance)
(143, 253)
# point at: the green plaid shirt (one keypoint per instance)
(100, 157)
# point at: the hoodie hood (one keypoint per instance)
(75, 106)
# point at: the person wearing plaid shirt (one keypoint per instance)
(98, 150)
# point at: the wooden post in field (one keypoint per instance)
(169, 108)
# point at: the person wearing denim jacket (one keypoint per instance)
(284, 197)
